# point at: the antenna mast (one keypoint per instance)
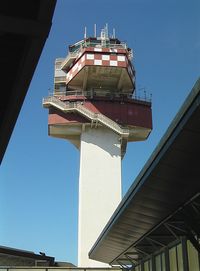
(85, 33)
(106, 31)
(95, 30)
(114, 33)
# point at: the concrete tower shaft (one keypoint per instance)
(94, 106)
(99, 187)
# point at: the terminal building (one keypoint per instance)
(17, 257)
(156, 227)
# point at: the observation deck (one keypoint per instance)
(96, 63)
(94, 85)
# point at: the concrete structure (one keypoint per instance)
(156, 227)
(94, 107)
(100, 163)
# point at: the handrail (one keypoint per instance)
(70, 55)
(97, 117)
(58, 268)
(106, 44)
(143, 97)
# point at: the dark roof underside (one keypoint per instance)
(24, 27)
(9, 252)
(169, 180)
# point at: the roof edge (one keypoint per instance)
(190, 99)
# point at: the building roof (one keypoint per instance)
(24, 28)
(165, 187)
(24, 254)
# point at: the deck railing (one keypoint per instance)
(47, 268)
(93, 117)
(143, 96)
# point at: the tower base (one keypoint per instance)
(99, 187)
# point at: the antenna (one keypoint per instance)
(113, 33)
(85, 33)
(95, 30)
(106, 30)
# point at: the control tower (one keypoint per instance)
(94, 106)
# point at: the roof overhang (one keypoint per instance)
(168, 182)
(24, 28)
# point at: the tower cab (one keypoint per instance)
(96, 66)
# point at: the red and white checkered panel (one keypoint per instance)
(99, 58)
(104, 60)
(101, 51)
(74, 70)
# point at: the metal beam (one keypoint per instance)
(24, 26)
(155, 241)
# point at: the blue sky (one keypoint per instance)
(39, 174)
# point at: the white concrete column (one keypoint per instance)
(99, 187)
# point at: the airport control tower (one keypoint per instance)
(94, 106)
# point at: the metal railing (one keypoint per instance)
(59, 79)
(70, 55)
(94, 117)
(98, 44)
(142, 97)
(67, 93)
(107, 44)
(47, 268)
